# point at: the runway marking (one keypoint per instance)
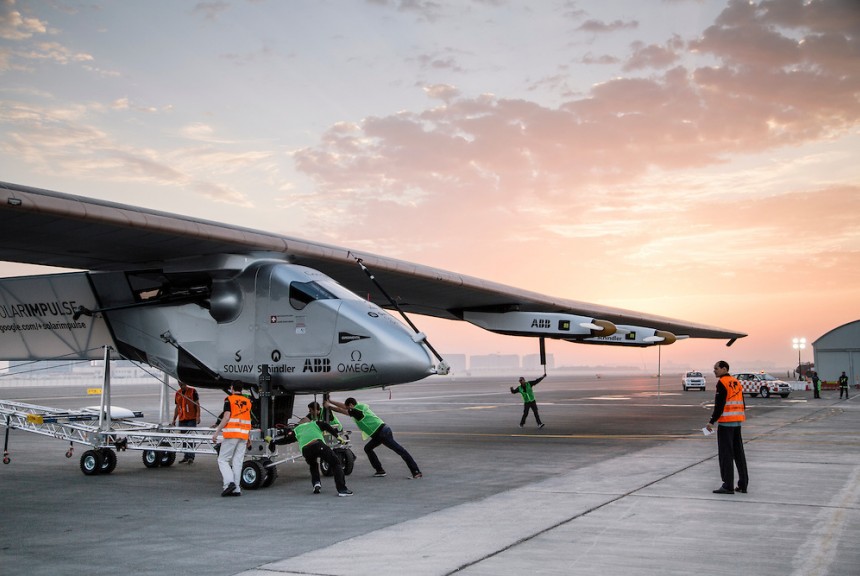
(538, 435)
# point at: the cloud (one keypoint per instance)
(67, 141)
(601, 27)
(654, 56)
(15, 26)
(510, 169)
(210, 10)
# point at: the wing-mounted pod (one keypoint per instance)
(640, 336)
(545, 324)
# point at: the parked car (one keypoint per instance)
(763, 384)
(693, 379)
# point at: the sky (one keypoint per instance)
(694, 159)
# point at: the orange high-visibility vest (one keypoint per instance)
(239, 425)
(188, 408)
(734, 410)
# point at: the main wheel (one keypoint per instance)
(765, 392)
(252, 475)
(91, 462)
(108, 460)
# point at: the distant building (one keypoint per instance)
(457, 362)
(838, 351)
(491, 362)
(532, 362)
(39, 369)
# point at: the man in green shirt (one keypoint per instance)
(379, 432)
(529, 402)
(309, 435)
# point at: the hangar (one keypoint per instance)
(839, 350)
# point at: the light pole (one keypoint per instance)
(799, 344)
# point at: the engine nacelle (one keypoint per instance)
(636, 336)
(547, 324)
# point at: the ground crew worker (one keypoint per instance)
(328, 416)
(529, 402)
(379, 432)
(309, 435)
(729, 413)
(186, 413)
(816, 385)
(236, 424)
(843, 385)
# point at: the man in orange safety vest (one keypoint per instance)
(729, 413)
(236, 424)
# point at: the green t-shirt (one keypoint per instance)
(307, 433)
(369, 422)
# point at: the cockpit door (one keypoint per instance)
(295, 317)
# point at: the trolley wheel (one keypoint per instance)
(151, 458)
(91, 462)
(166, 458)
(253, 475)
(347, 459)
(6, 459)
(271, 473)
(108, 461)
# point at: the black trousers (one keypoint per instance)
(843, 389)
(533, 407)
(321, 450)
(730, 446)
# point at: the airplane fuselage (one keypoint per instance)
(312, 334)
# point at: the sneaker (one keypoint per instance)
(230, 489)
(236, 493)
(380, 474)
(541, 425)
(521, 425)
(417, 475)
(317, 488)
(344, 493)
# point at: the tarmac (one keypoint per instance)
(622, 487)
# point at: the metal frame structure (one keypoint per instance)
(105, 435)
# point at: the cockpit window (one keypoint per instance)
(303, 293)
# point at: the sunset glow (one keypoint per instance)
(692, 159)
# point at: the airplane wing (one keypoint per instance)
(56, 229)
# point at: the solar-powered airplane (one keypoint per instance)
(208, 303)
